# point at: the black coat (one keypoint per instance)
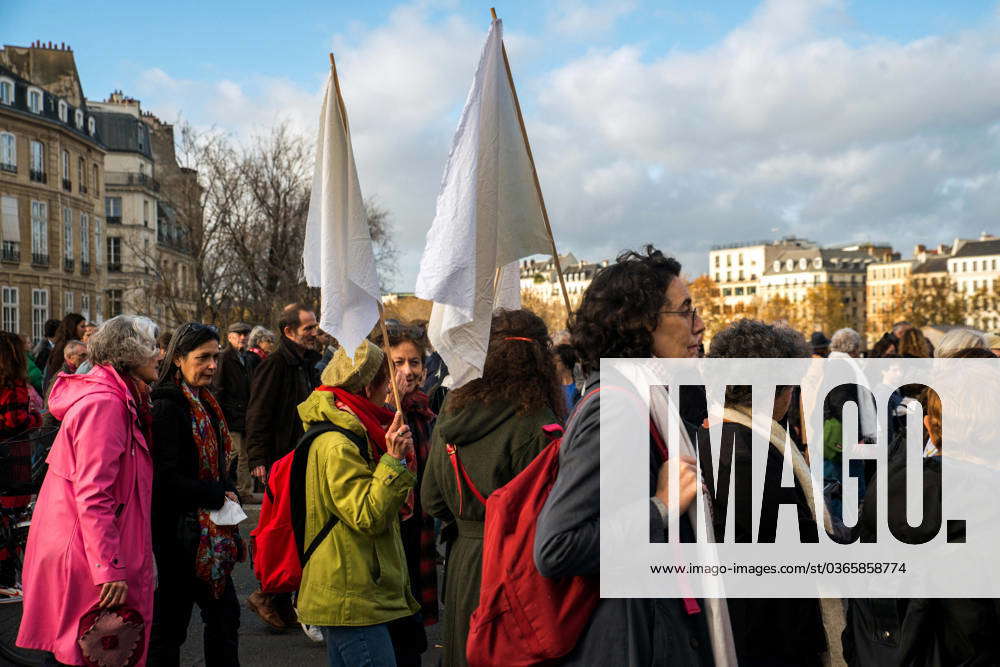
(567, 543)
(782, 630)
(929, 632)
(280, 383)
(232, 388)
(177, 491)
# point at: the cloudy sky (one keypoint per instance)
(662, 122)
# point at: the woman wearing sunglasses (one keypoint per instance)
(195, 557)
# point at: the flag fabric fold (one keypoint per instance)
(337, 254)
(489, 215)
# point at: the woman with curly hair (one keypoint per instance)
(494, 425)
(639, 308)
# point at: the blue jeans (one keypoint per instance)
(364, 646)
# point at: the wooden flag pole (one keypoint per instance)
(388, 360)
(534, 175)
(381, 313)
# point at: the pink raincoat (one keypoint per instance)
(92, 519)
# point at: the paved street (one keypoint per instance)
(259, 646)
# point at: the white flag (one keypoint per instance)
(489, 215)
(338, 255)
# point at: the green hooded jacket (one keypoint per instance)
(357, 576)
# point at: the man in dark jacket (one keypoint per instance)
(44, 346)
(280, 383)
(232, 389)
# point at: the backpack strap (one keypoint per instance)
(456, 465)
(552, 431)
(297, 487)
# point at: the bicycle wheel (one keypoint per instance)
(10, 623)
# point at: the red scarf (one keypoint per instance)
(143, 406)
(374, 418)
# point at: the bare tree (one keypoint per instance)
(386, 254)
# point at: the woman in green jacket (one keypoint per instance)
(356, 581)
(495, 424)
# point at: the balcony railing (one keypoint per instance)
(11, 252)
(9, 168)
(37, 176)
(68, 264)
(67, 185)
(39, 259)
(114, 267)
(84, 268)
(112, 178)
(113, 219)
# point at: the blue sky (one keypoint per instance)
(681, 123)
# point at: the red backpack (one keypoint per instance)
(523, 618)
(276, 544)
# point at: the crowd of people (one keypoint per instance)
(159, 431)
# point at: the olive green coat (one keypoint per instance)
(357, 576)
(494, 445)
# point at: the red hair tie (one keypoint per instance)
(526, 340)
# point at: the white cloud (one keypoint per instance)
(781, 124)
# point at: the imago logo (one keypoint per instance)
(788, 476)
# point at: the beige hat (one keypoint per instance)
(354, 376)
(992, 340)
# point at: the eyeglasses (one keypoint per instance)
(397, 329)
(693, 314)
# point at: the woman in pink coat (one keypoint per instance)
(90, 543)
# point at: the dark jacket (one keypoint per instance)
(177, 491)
(41, 352)
(634, 632)
(232, 388)
(494, 444)
(802, 638)
(280, 383)
(927, 632)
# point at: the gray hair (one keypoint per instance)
(124, 342)
(846, 340)
(752, 339)
(957, 340)
(259, 334)
(71, 347)
(747, 338)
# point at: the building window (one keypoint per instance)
(91, 126)
(8, 152)
(85, 306)
(35, 100)
(6, 91)
(67, 185)
(81, 174)
(114, 254)
(145, 213)
(68, 232)
(40, 233)
(79, 119)
(69, 303)
(114, 302)
(37, 162)
(39, 313)
(11, 316)
(11, 227)
(98, 246)
(740, 259)
(113, 210)
(63, 111)
(96, 181)
(84, 241)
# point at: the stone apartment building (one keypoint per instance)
(96, 215)
(51, 191)
(539, 278)
(757, 272)
(150, 206)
